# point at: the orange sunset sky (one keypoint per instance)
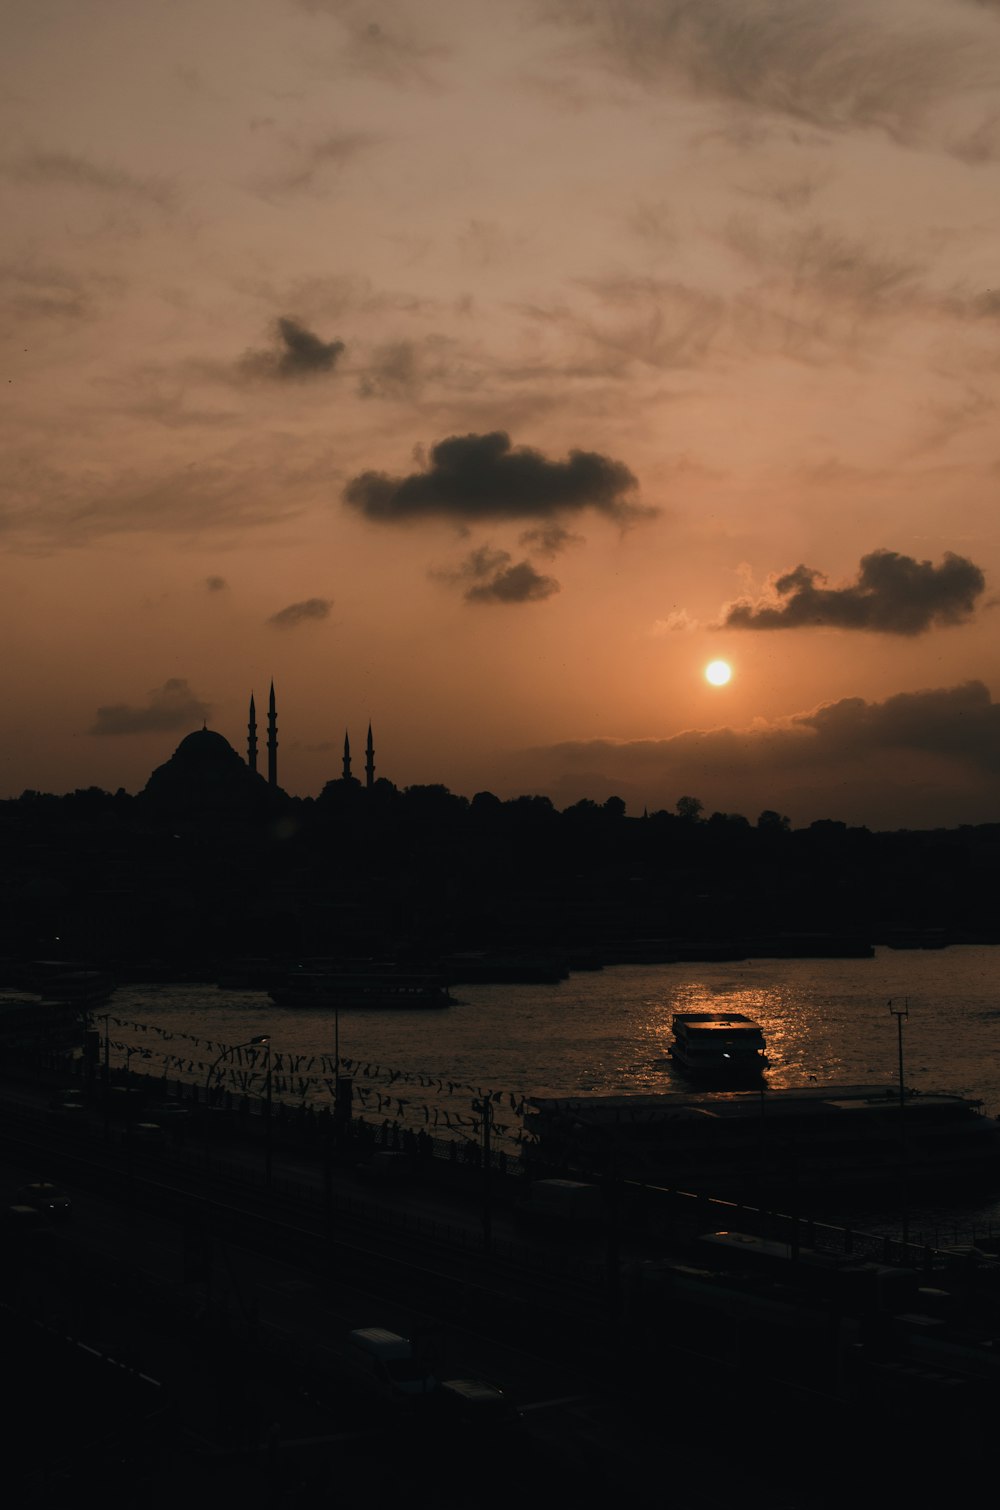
(486, 369)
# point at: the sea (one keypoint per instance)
(601, 1032)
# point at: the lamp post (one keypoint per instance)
(104, 1017)
(267, 1112)
(259, 1041)
(485, 1106)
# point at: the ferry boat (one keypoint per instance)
(718, 1048)
(385, 987)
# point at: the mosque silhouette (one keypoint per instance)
(206, 772)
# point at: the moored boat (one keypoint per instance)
(378, 988)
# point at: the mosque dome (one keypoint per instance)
(205, 774)
(206, 747)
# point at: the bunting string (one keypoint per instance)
(376, 1088)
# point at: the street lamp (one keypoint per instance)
(901, 1014)
(259, 1041)
(485, 1106)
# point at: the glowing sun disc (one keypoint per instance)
(718, 673)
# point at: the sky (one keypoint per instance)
(484, 370)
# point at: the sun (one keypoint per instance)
(718, 673)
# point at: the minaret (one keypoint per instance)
(369, 761)
(347, 758)
(272, 742)
(252, 737)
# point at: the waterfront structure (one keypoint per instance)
(730, 1143)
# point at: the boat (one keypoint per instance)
(386, 987)
(718, 1048)
(742, 1144)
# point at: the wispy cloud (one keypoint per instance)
(308, 611)
(65, 169)
(307, 163)
(832, 66)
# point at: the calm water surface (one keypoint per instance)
(597, 1033)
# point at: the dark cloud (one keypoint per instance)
(958, 723)
(298, 353)
(917, 759)
(476, 477)
(216, 584)
(172, 706)
(519, 583)
(894, 594)
(306, 612)
(68, 169)
(491, 576)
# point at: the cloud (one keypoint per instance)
(835, 67)
(660, 322)
(252, 484)
(819, 261)
(299, 353)
(33, 290)
(519, 583)
(216, 584)
(68, 169)
(306, 612)
(394, 57)
(548, 539)
(402, 369)
(894, 594)
(308, 160)
(490, 576)
(476, 477)
(678, 621)
(918, 759)
(172, 706)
